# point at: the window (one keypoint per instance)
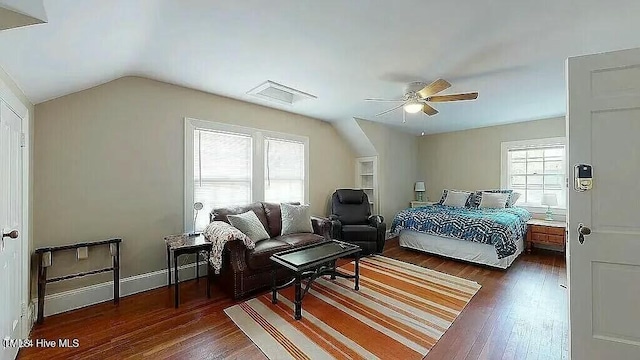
(222, 171)
(533, 168)
(232, 165)
(284, 171)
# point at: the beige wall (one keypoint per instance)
(470, 159)
(109, 162)
(397, 166)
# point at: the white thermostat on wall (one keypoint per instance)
(583, 174)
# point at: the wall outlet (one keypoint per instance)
(83, 253)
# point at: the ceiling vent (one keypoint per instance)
(278, 93)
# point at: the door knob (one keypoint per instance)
(583, 231)
(11, 234)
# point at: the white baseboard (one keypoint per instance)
(95, 294)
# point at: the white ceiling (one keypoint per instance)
(512, 52)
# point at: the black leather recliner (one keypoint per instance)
(351, 221)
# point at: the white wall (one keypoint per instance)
(470, 159)
(397, 166)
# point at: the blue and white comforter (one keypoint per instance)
(498, 227)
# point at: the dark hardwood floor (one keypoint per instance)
(518, 314)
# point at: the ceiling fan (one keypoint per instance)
(418, 94)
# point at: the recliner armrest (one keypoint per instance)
(375, 220)
(321, 226)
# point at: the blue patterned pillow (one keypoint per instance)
(477, 196)
(446, 191)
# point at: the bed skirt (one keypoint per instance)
(458, 249)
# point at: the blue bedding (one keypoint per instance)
(498, 227)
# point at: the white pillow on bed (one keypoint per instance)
(513, 199)
(494, 200)
(456, 198)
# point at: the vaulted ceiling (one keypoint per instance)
(512, 52)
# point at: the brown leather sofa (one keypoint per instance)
(246, 271)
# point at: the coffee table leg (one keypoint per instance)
(333, 276)
(175, 278)
(357, 287)
(274, 291)
(298, 302)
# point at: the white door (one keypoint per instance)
(10, 220)
(603, 123)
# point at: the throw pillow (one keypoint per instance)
(493, 200)
(446, 191)
(295, 219)
(477, 196)
(456, 198)
(513, 199)
(249, 224)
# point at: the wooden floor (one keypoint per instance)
(518, 314)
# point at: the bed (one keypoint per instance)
(493, 237)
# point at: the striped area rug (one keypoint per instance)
(400, 312)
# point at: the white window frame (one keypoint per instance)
(257, 160)
(531, 144)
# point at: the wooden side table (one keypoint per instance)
(415, 204)
(181, 245)
(545, 232)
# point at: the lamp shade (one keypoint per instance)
(419, 186)
(549, 200)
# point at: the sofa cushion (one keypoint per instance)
(295, 219)
(258, 258)
(357, 233)
(221, 214)
(273, 214)
(250, 225)
(300, 239)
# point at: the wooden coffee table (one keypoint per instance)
(310, 262)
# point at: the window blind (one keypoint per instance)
(284, 170)
(222, 171)
(536, 171)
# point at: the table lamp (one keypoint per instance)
(419, 188)
(549, 200)
(197, 207)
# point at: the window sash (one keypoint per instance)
(530, 189)
(279, 176)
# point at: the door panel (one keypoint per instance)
(615, 133)
(603, 127)
(10, 219)
(609, 324)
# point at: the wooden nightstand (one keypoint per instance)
(546, 233)
(415, 204)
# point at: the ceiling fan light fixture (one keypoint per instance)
(413, 107)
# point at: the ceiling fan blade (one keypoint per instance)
(427, 109)
(453, 97)
(390, 110)
(434, 88)
(385, 100)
